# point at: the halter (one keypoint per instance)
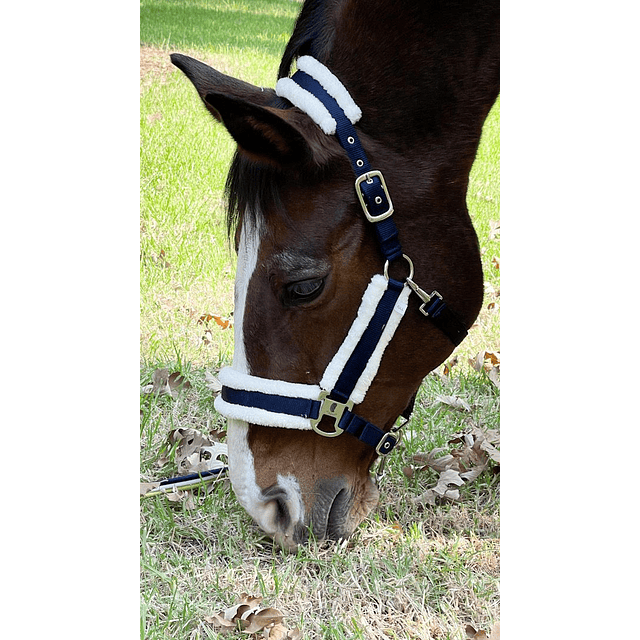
(347, 378)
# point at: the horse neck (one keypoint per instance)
(425, 74)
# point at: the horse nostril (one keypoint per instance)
(278, 497)
(338, 516)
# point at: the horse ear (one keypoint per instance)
(262, 131)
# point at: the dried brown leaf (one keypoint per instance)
(455, 402)
(165, 383)
(258, 620)
(145, 487)
(472, 634)
(493, 357)
(464, 464)
(494, 376)
(212, 383)
(220, 624)
(434, 460)
(195, 451)
(205, 318)
(251, 618)
(281, 632)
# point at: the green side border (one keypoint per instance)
(70, 305)
(569, 270)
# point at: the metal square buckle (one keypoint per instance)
(332, 408)
(386, 444)
(434, 294)
(369, 178)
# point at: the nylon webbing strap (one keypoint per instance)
(368, 342)
(375, 196)
(376, 201)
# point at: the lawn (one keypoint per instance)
(412, 570)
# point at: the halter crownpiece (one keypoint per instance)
(347, 378)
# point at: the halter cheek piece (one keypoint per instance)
(347, 378)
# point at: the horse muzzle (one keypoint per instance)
(335, 513)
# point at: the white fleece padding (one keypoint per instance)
(368, 375)
(237, 380)
(307, 102)
(331, 85)
(260, 416)
(370, 300)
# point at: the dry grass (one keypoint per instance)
(410, 570)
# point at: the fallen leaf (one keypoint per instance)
(212, 382)
(145, 487)
(464, 464)
(258, 620)
(446, 369)
(434, 460)
(493, 357)
(196, 451)
(225, 323)
(455, 402)
(165, 383)
(472, 634)
(251, 618)
(494, 376)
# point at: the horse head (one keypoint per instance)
(311, 278)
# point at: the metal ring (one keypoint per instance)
(408, 259)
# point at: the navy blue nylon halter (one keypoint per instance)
(374, 194)
(346, 420)
(378, 208)
(376, 202)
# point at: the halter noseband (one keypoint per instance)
(347, 378)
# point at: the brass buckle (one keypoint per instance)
(333, 408)
(369, 178)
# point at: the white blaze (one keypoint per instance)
(241, 463)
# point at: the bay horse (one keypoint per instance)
(347, 202)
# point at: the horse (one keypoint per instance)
(346, 205)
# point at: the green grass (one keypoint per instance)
(410, 571)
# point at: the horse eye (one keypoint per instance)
(302, 292)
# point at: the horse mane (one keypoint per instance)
(312, 35)
(251, 188)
